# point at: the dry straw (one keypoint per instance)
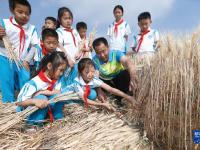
(79, 130)
(169, 92)
(9, 121)
(11, 52)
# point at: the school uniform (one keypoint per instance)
(85, 44)
(145, 44)
(40, 82)
(84, 89)
(116, 33)
(69, 39)
(22, 39)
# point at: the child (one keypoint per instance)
(50, 22)
(22, 36)
(118, 31)
(39, 89)
(86, 82)
(147, 41)
(68, 37)
(85, 46)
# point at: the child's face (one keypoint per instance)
(50, 43)
(49, 24)
(82, 32)
(102, 52)
(118, 14)
(22, 14)
(58, 72)
(144, 24)
(88, 73)
(66, 20)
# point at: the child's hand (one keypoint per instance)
(41, 103)
(133, 102)
(78, 55)
(108, 106)
(26, 65)
(2, 32)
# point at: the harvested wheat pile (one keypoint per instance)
(80, 129)
(169, 90)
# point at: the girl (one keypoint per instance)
(118, 31)
(42, 87)
(86, 83)
(68, 37)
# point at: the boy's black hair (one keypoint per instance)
(13, 3)
(61, 12)
(84, 62)
(144, 15)
(56, 58)
(99, 41)
(80, 25)
(52, 19)
(118, 7)
(49, 32)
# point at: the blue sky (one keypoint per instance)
(167, 15)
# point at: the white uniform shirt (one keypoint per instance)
(66, 40)
(78, 85)
(118, 42)
(31, 38)
(148, 43)
(33, 86)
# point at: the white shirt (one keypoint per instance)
(118, 42)
(66, 39)
(33, 86)
(148, 43)
(78, 85)
(86, 43)
(31, 38)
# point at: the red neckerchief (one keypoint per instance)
(21, 36)
(141, 39)
(86, 94)
(50, 88)
(45, 79)
(116, 26)
(71, 31)
(44, 50)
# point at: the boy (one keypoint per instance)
(50, 22)
(48, 44)
(22, 36)
(147, 41)
(85, 46)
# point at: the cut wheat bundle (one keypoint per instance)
(11, 120)
(11, 52)
(169, 91)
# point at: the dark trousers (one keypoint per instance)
(121, 82)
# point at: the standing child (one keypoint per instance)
(118, 31)
(84, 45)
(86, 82)
(146, 42)
(50, 22)
(68, 36)
(22, 36)
(44, 85)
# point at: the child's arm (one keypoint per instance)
(70, 60)
(118, 93)
(106, 105)
(47, 92)
(33, 102)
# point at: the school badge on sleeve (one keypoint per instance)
(196, 136)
